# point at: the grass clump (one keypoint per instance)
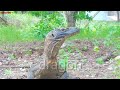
(108, 32)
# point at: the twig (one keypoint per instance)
(14, 66)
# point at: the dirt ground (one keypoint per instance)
(16, 59)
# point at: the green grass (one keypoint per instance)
(109, 32)
(9, 33)
(98, 30)
(19, 28)
(26, 27)
(13, 34)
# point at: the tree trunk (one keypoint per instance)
(118, 16)
(70, 18)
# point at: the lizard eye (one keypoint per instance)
(53, 35)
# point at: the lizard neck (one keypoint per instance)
(51, 51)
(50, 63)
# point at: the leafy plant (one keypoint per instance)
(116, 71)
(96, 49)
(82, 15)
(84, 60)
(85, 48)
(40, 13)
(48, 23)
(71, 48)
(28, 52)
(117, 59)
(8, 71)
(12, 57)
(100, 60)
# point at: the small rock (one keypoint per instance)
(19, 59)
(87, 75)
(2, 78)
(0, 63)
(25, 60)
(110, 68)
(21, 69)
(73, 53)
(92, 76)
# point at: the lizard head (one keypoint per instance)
(55, 39)
(63, 33)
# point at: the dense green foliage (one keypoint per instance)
(82, 15)
(47, 23)
(108, 32)
(41, 13)
(30, 29)
(9, 33)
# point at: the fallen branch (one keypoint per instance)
(14, 66)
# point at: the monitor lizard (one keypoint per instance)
(53, 41)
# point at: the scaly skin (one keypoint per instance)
(53, 42)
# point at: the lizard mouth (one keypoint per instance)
(72, 31)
